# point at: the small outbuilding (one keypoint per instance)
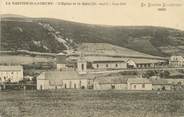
(161, 84)
(109, 82)
(139, 84)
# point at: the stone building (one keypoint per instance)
(11, 73)
(176, 61)
(139, 84)
(108, 83)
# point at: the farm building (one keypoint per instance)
(63, 79)
(112, 82)
(139, 84)
(176, 61)
(161, 84)
(145, 63)
(11, 73)
(96, 62)
(61, 61)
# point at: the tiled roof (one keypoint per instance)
(104, 58)
(144, 61)
(159, 81)
(64, 75)
(111, 80)
(10, 68)
(61, 59)
(114, 79)
(139, 80)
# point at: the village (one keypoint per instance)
(100, 66)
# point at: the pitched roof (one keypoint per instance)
(138, 81)
(104, 59)
(114, 78)
(159, 81)
(61, 58)
(64, 75)
(10, 68)
(144, 61)
(111, 80)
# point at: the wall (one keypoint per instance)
(139, 86)
(110, 65)
(61, 67)
(98, 86)
(42, 84)
(13, 75)
(159, 87)
(120, 86)
(71, 84)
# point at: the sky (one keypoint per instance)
(122, 15)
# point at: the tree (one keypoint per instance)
(164, 74)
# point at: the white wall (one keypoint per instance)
(120, 86)
(139, 86)
(110, 65)
(98, 86)
(159, 87)
(14, 75)
(61, 67)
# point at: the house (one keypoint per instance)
(11, 73)
(176, 61)
(64, 80)
(61, 60)
(110, 82)
(139, 84)
(161, 84)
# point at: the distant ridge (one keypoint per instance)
(54, 36)
(12, 16)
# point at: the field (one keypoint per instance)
(90, 103)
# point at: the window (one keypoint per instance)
(113, 86)
(107, 65)
(75, 86)
(97, 65)
(82, 66)
(134, 86)
(65, 86)
(143, 85)
(70, 84)
(116, 65)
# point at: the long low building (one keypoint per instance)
(102, 62)
(110, 82)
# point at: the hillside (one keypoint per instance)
(53, 35)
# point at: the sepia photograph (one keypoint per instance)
(90, 58)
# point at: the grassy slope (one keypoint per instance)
(150, 40)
